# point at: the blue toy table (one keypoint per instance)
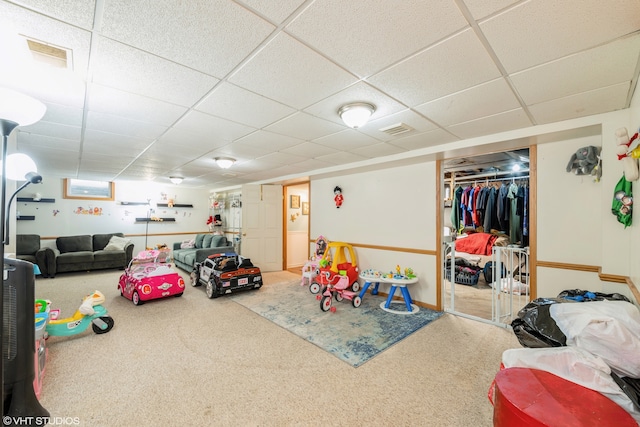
(395, 284)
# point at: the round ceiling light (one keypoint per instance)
(356, 114)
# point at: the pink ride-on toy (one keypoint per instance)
(338, 288)
(310, 268)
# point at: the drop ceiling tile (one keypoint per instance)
(268, 141)
(424, 140)
(483, 8)
(37, 141)
(202, 35)
(276, 11)
(455, 64)
(357, 36)
(290, 73)
(239, 151)
(304, 126)
(211, 130)
(575, 74)
(583, 104)
(77, 12)
(239, 105)
(281, 158)
(136, 107)
(313, 164)
(54, 130)
(62, 114)
(535, 32)
(378, 150)
(132, 70)
(483, 100)
(309, 150)
(53, 31)
(346, 140)
(341, 158)
(418, 123)
(496, 123)
(360, 92)
(110, 143)
(123, 126)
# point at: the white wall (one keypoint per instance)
(393, 207)
(63, 218)
(569, 214)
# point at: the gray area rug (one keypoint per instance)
(353, 335)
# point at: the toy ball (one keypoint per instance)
(333, 309)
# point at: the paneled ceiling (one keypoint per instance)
(160, 88)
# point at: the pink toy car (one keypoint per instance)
(150, 276)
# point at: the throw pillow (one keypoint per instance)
(188, 244)
(116, 243)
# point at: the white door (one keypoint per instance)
(262, 226)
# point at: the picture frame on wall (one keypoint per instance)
(295, 201)
(305, 208)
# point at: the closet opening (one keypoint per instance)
(485, 270)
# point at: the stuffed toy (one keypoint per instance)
(629, 158)
(89, 301)
(586, 161)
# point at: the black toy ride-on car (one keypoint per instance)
(225, 273)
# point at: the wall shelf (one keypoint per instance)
(153, 220)
(25, 218)
(160, 205)
(30, 199)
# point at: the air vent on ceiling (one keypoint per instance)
(53, 56)
(229, 175)
(397, 129)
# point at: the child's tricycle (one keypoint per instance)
(91, 312)
(338, 289)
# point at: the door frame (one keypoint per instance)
(285, 219)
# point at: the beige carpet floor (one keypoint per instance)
(192, 361)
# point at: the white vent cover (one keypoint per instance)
(397, 129)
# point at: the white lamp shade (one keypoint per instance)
(20, 108)
(18, 165)
(176, 179)
(225, 162)
(357, 114)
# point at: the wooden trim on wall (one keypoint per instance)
(605, 277)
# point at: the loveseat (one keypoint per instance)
(28, 249)
(91, 252)
(187, 254)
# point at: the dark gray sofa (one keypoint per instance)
(28, 249)
(87, 252)
(205, 244)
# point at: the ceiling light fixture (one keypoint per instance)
(225, 162)
(516, 167)
(176, 179)
(356, 114)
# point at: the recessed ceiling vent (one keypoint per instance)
(53, 56)
(229, 174)
(397, 129)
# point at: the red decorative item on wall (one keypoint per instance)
(338, 196)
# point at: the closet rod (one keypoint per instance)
(464, 181)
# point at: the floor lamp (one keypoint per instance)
(16, 109)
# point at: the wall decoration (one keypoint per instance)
(295, 201)
(88, 190)
(88, 211)
(338, 196)
(305, 208)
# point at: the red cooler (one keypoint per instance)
(531, 397)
